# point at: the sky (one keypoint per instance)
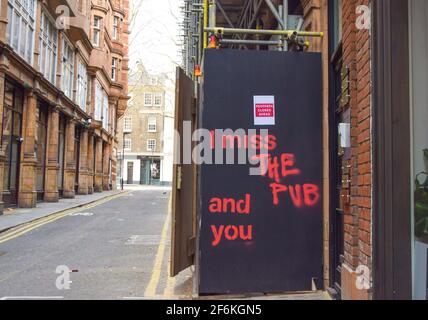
(154, 35)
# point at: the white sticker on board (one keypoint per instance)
(264, 110)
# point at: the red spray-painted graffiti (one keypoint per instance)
(276, 169)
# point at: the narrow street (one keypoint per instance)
(118, 249)
(253, 149)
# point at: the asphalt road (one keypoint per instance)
(118, 250)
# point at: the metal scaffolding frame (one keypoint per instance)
(200, 28)
(191, 33)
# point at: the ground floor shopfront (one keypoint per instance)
(47, 151)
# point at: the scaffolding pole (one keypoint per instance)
(285, 17)
(199, 23)
(206, 9)
(278, 43)
(288, 33)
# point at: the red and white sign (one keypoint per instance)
(264, 110)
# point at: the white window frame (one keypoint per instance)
(96, 29)
(98, 101)
(146, 95)
(105, 115)
(127, 144)
(48, 47)
(127, 124)
(82, 84)
(160, 96)
(152, 124)
(149, 143)
(114, 68)
(67, 67)
(20, 28)
(115, 32)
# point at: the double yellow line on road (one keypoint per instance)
(153, 284)
(158, 265)
(21, 230)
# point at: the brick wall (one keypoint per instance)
(356, 177)
(357, 221)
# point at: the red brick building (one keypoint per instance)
(63, 84)
(347, 77)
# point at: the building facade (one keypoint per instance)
(63, 84)
(144, 129)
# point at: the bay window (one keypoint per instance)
(82, 84)
(67, 69)
(101, 106)
(105, 115)
(48, 48)
(20, 27)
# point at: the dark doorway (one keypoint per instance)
(40, 147)
(130, 173)
(339, 113)
(110, 174)
(94, 161)
(61, 153)
(77, 135)
(144, 172)
(11, 142)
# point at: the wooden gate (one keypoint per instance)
(184, 181)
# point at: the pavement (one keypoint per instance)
(17, 216)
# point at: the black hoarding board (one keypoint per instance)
(262, 234)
